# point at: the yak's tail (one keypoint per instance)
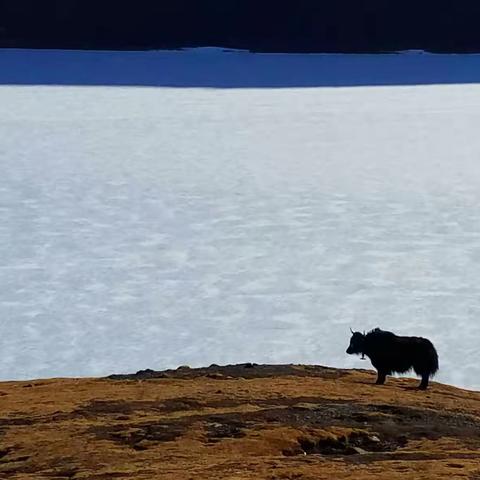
(432, 360)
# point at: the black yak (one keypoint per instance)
(390, 353)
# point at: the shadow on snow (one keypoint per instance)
(216, 68)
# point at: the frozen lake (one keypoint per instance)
(155, 226)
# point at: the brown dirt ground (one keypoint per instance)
(272, 422)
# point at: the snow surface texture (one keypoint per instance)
(154, 227)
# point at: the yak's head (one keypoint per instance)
(357, 342)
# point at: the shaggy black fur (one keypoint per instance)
(390, 353)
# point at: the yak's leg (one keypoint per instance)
(424, 383)
(381, 378)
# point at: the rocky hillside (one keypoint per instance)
(238, 422)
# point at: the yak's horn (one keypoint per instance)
(351, 330)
